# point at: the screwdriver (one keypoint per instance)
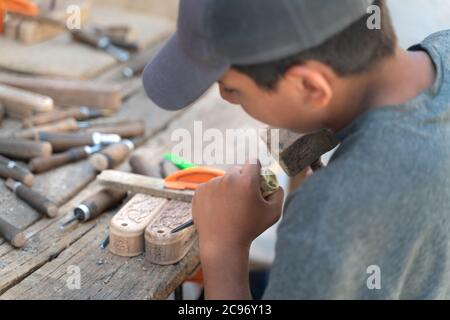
(95, 205)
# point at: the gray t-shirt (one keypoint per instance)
(378, 216)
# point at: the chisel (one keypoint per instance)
(42, 164)
(95, 205)
(20, 103)
(62, 141)
(140, 166)
(100, 42)
(24, 149)
(33, 198)
(10, 169)
(80, 113)
(125, 129)
(68, 93)
(2, 113)
(64, 125)
(114, 154)
(12, 234)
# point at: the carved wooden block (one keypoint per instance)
(128, 225)
(163, 247)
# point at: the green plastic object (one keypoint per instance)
(178, 161)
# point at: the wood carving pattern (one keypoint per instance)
(173, 215)
(138, 209)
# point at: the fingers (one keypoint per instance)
(276, 198)
(252, 170)
(234, 170)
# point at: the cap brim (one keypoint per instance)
(174, 80)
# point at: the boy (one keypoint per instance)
(374, 223)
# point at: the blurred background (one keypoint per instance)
(36, 49)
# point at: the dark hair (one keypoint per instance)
(353, 51)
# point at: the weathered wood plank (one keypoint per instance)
(46, 241)
(103, 275)
(137, 183)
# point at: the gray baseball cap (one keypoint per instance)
(213, 35)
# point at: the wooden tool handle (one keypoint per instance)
(24, 102)
(2, 113)
(166, 168)
(16, 174)
(140, 166)
(111, 155)
(70, 92)
(128, 130)
(34, 199)
(63, 141)
(136, 65)
(53, 116)
(12, 234)
(101, 202)
(24, 149)
(60, 126)
(42, 164)
(86, 37)
(136, 183)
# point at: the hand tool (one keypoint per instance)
(95, 205)
(79, 113)
(12, 234)
(127, 129)
(2, 113)
(42, 164)
(105, 242)
(33, 198)
(10, 169)
(136, 65)
(24, 149)
(166, 168)
(114, 154)
(64, 125)
(101, 42)
(268, 185)
(63, 141)
(140, 166)
(20, 103)
(294, 152)
(122, 36)
(70, 93)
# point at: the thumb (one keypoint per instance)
(252, 169)
(276, 198)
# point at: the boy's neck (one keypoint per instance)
(393, 81)
(400, 78)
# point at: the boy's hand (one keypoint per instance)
(230, 212)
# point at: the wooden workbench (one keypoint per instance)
(42, 269)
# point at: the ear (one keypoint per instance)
(311, 80)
